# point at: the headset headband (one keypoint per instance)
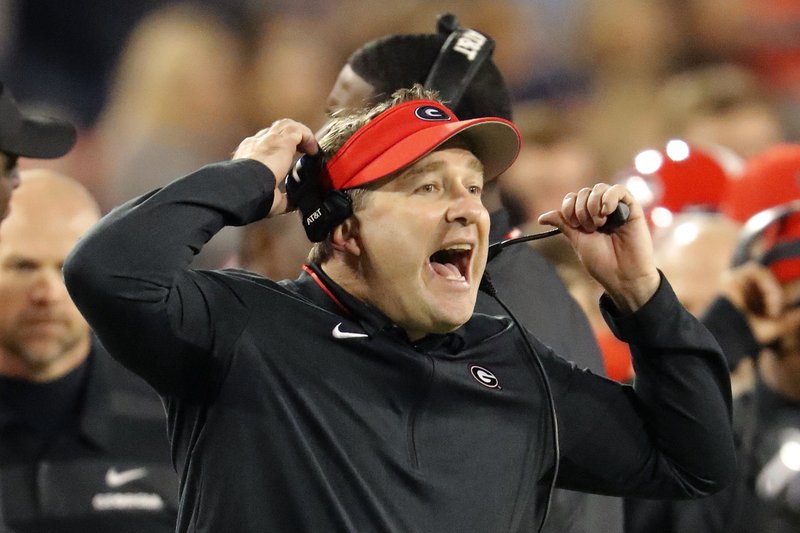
(460, 58)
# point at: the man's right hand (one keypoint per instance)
(276, 147)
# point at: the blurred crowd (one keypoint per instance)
(693, 104)
(160, 86)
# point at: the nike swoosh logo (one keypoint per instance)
(339, 334)
(117, 479)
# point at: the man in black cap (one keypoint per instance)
(27, 135)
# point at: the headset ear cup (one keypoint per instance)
(303, 182)
(339, 206)
(320, 211)
(320, 219)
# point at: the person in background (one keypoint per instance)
(26, 135)
(756, 313)
(750, 316)
(694, 251)
(156, 123)
(720, 104)
(83, 443)
(555, 159)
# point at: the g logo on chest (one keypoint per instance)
(484, 377)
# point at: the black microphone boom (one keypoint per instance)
(613, 221)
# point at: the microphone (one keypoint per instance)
(613, 221)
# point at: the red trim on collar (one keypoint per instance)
(322, 286)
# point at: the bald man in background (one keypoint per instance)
(83, 444)
(694, 251)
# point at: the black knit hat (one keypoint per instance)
(28, 135)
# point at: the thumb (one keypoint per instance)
(556, 218)
(553, 218)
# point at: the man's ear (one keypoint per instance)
(345, 237)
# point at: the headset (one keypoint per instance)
(460, 58)
(757, 227)
(753, 246)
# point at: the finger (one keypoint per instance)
(594, 204)
(279, 125)
(582, 212)
(568, 210)
(612, 196)
(308, 143)
(300, 135)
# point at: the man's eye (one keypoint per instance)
(476, 190)
(24, 266)
(428, 188)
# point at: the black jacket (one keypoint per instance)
(280, 422)
(109, 470)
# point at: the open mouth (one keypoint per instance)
(452, 262)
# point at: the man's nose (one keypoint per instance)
(465, 207)
(48, 286)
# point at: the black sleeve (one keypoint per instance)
(729, 326)
(129, 276)
(667, 435)
(711, 514)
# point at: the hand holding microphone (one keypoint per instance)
(620, 255)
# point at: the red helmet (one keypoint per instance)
(770, 178)
(772, 237)
(680, 177)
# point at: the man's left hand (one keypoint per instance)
(621, 261)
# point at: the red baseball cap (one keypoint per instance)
(681, 176)
(403, 134)
(770, 178)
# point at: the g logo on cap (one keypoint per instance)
(429, 112)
